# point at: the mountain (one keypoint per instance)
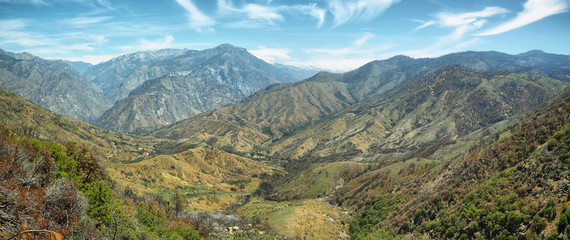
(55, 86)
(143, 166)
(281, 110)
(23, 116)
(79, 66)
(194, 82)
(434, 119)
(57, 65)
(118, 76)
(166, 100)
(298, 72)
(511, 185)
(229, 65)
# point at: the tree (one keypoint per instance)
(178, 202)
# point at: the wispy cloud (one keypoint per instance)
(424, 23)
(360, 10)
(311, 10)
(144, 44)
(196, 18)
(358, 53)
(534, 10)
(83, 21)
(255, 11)
(33, 2)
(12, 31)
(267, 14)
(468, 21)
(272, 55)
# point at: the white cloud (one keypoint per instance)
(33, 2)
(468, 21)
(359, 10)
(82, 21)
(267, 14)
(353, 49)
(272, 55)
(534, 10)
(424, 23)
(12, 32)
(167, 42)
(196, 18)
(361, 51)
(255, 11)
(312, 10)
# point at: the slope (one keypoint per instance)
(284, 109)
(26, 117)
(420, 116)
(144, 165)
(166, 100)
(51, 88)
(513, 186)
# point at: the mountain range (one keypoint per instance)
(466, 145)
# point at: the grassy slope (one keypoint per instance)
(437, 109)
(300, 219)
(143, 165)
(23, 115)
(521, 173)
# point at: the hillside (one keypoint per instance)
(143, 165)
(286, 108)
(420, 116)
(512, 185)
(55, 86)
(28, 118)
(168, 86)
(166, 100)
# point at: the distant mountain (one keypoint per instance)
(166, 100)
(228, 65)
(300, 73)
(57, 65)
(79, 66)
(118, 76)
(55, 86)
(194, 82)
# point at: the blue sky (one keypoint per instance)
(329, 34)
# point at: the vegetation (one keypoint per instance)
(51, 190)
(376, 211)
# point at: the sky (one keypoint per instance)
(328, 34)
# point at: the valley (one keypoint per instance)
(466, 144)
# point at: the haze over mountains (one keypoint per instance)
(397, 148)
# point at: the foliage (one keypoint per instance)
(372, 215)
(245, 235)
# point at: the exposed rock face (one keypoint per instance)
(228, 65)
(166, 100)
(55, 87)
(185, 84)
